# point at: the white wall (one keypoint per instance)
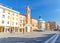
(6, 17)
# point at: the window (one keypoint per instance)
(33, 24)
(16, 23)
(3, 21)
(20, 21)
(16, 14)
(20, 25)
(8, 22)
(24, 21)
(23, 24)
(13, 18)
(8, 17)
(13, 14)
(3, 16)
(8, 12)
(16, 18)
(12, 23)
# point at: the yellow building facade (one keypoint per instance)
(34, 24)
(47, 26)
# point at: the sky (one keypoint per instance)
(48, 9)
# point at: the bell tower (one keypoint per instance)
(27, 12)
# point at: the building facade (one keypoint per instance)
(8, 19)
(47, 26)
(14, 21)
(53, 25)
(41, 24)
(34, 24)
(27, 23)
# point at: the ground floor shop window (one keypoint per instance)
(3, 29)
(20, 30)
(26, 29)
(16, 29)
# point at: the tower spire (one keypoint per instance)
(27, 11)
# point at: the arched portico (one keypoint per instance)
(28, 28)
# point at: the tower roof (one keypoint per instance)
(27, 8)
(40, 18)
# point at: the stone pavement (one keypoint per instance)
(26, 34)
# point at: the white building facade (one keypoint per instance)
(13, 21)
(9, 19)
(41, 24)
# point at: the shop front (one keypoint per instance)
(1, 28)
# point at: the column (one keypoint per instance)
(18, 29)
(5, 29)
(14, 28)
(28, 28)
